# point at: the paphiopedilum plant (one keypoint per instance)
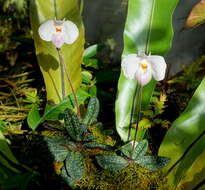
(59, 32)
(142, 67)
(66, 33)
(70, 149)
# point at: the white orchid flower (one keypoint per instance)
(59, 32)
(142, 67)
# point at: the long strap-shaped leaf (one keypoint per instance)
(40, 11)
(148, 29)
(185, 141)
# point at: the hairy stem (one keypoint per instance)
(69, 80)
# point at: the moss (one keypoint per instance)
(101, 138)
(132, 177)
(53, 134)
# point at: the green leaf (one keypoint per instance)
(194, 175)
(185, 140)
(90, 62)
(93, 91)
(90, 51)
(88, 54)
(40, 11)
(92, 111)
(98, 145)
(197, 15)
(33, 117)
(6, 156)
(140, 149)
(58, 148)
(52, 112)
(152, 162)
(17, 181)
(86, 77)
(74, 169)
(147, 33)
(73, 126)
(112, 162)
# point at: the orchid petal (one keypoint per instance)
(46, 30)
(71, 32)
(144, 77)
(130, 65)
(158, 66)
(58, 40)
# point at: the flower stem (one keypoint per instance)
(138, 117)
(63, 65)
(135, 97)
(62, 74)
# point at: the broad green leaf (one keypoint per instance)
(145, 31)
(40, 11)
(185, 140)
(73, 126)
(152, 162)
(6, 156)
(88, 54)
(197, 15)
(112, 162)
(52, 112)
(92, 111)
(33, 117)
(75, 167)
(17, 181)
(86, 77)
(139, 150)
(194, 175)
(90, 51)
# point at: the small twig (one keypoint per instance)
(70, 82)
(13, 116)
(14, 108)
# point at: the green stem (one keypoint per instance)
(70, 82)
(138, 117)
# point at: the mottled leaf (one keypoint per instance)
(92, 111)
(152, 162)
(98, 145)
(73, 126)
(140, 149)
(58, 148)
(112, 162)
(89, 137)
(75, 168)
